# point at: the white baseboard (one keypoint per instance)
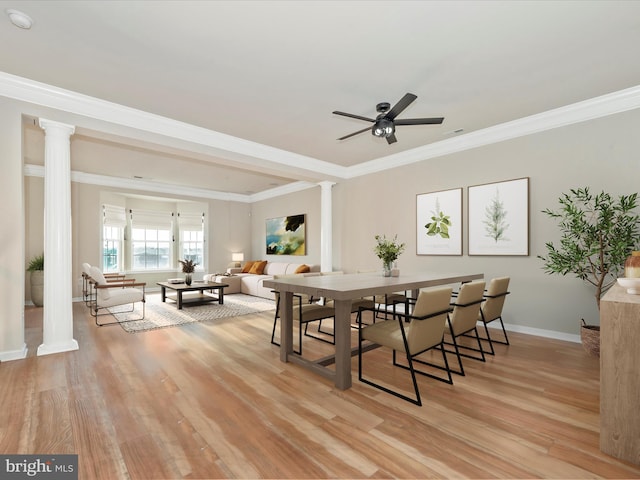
(538, 332)
(14, 354)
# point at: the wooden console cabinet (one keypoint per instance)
(620, 374)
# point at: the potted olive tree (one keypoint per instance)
(36, 267)
(598, 234)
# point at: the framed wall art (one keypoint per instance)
(286, 235)
(499, 218)
(439, 223)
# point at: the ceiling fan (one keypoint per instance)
(384, 125)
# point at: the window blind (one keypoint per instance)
(114, 216)
(151, 219)
(190, 221)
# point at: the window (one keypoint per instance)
(192, 246)
(151, 249)
(114, 221)
(191, 228)
(151, 240)
(112, 249)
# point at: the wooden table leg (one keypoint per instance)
(163, 294)
(286, 326)
(342, 330)
(179, 297)
(221, 295)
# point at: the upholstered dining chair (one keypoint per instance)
(386, 301)
(113, 294)
(423, 332)
(303, 314)
(491, 309)
(463, 320)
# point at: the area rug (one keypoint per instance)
(163, 315)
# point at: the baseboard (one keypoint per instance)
(14, 354)
(538, 332)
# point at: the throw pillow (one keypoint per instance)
(258, 267)
(247, 267)
(303, 269)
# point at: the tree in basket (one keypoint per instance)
(388, 251)
(188, 267)
(598, 234)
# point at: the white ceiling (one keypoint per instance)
(272, 72)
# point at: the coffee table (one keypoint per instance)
(215, 292)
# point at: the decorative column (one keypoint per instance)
(57, 329)
(326, 228)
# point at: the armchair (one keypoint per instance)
(111, 294)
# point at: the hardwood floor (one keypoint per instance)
(212, 400)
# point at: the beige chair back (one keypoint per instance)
(423, 334)
(492, 307)
(463, 318)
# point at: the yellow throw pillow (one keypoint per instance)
(303, 269)
(247, 267)
(258, 267)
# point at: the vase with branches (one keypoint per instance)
(188, 267)
(388, 251)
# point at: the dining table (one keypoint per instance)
(343, 289)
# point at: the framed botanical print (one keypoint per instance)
(439, 223)
(499, 218)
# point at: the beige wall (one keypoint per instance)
(12, 234)
(601, 154)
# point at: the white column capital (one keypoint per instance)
(325, 184)
(51, 125)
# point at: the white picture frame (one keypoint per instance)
(498, 218)
(439, 223)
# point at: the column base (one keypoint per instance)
(14, 354)
(58, 347)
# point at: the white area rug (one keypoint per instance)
(162, 315)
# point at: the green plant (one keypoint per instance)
(598, 233)
(36, 263)
(188, 266)
(440, 223)
(388, 250)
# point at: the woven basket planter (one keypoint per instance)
(590, 336)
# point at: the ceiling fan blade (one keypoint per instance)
(355, 133)
(419, 121)
(400, 106)
(392, 139)
(351, 115)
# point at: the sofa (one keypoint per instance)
(250, 278)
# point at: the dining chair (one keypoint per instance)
(463, 320)
(423, 332)
(491, 309)
(113, 294)
(303, 314)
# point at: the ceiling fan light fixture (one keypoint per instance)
(383, 128)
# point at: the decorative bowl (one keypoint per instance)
(631, 284)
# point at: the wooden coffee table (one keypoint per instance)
(206, 292)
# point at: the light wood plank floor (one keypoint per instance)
(212, 400)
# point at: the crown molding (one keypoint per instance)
(232, 147)
(31, 170)
(225, 146)
(609, 104)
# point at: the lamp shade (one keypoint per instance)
(237, 257)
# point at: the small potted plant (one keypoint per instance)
(36, 267)
(388, 251)
(188, 266)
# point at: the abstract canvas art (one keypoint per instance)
(286, 235)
